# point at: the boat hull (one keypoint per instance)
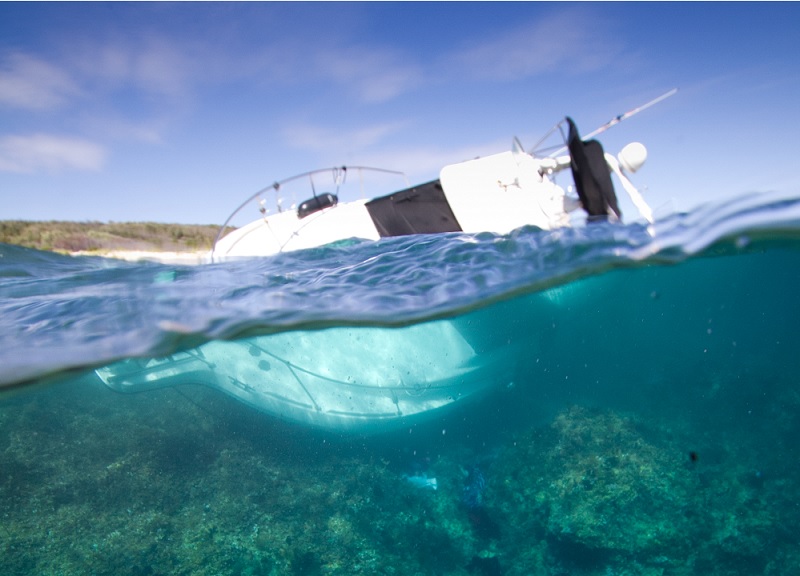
(355, 379)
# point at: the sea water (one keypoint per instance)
(639, 409)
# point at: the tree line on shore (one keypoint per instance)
(62, 236)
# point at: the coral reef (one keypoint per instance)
(600, 489)
(151, 484)
(185, 481)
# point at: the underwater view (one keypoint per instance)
(606, 400)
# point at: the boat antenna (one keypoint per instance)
(616, 120)
(613, 122)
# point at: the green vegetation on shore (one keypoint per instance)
(63, 236)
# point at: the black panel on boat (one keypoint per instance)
(421, 209)
(591, 175)
(316, 204)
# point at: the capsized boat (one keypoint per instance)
(365, 379)
(496, 193)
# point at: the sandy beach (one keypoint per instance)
(188, 258)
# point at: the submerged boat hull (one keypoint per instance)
(345, 379)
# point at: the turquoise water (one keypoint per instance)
(641, 412)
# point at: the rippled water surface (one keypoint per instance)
(630, 405)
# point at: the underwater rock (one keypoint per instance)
(594, 482)
(474, 487)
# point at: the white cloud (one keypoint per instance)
(572, 41)
(48, 152)
(30, 83)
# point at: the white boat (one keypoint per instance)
(366, 379)
(497, 193)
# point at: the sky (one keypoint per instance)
(178, 112)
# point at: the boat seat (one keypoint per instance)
(316, 204)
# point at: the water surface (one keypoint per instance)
(641, 415)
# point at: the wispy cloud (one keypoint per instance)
(48, 152)
(30, 83)
(572, 41)
(119, 89)
(152, 65)
(153, 68)
(423, 162)
(376, 74)
(311, 137)
(371, 146)
(118, 127)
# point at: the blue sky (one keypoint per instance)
(178, 112)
